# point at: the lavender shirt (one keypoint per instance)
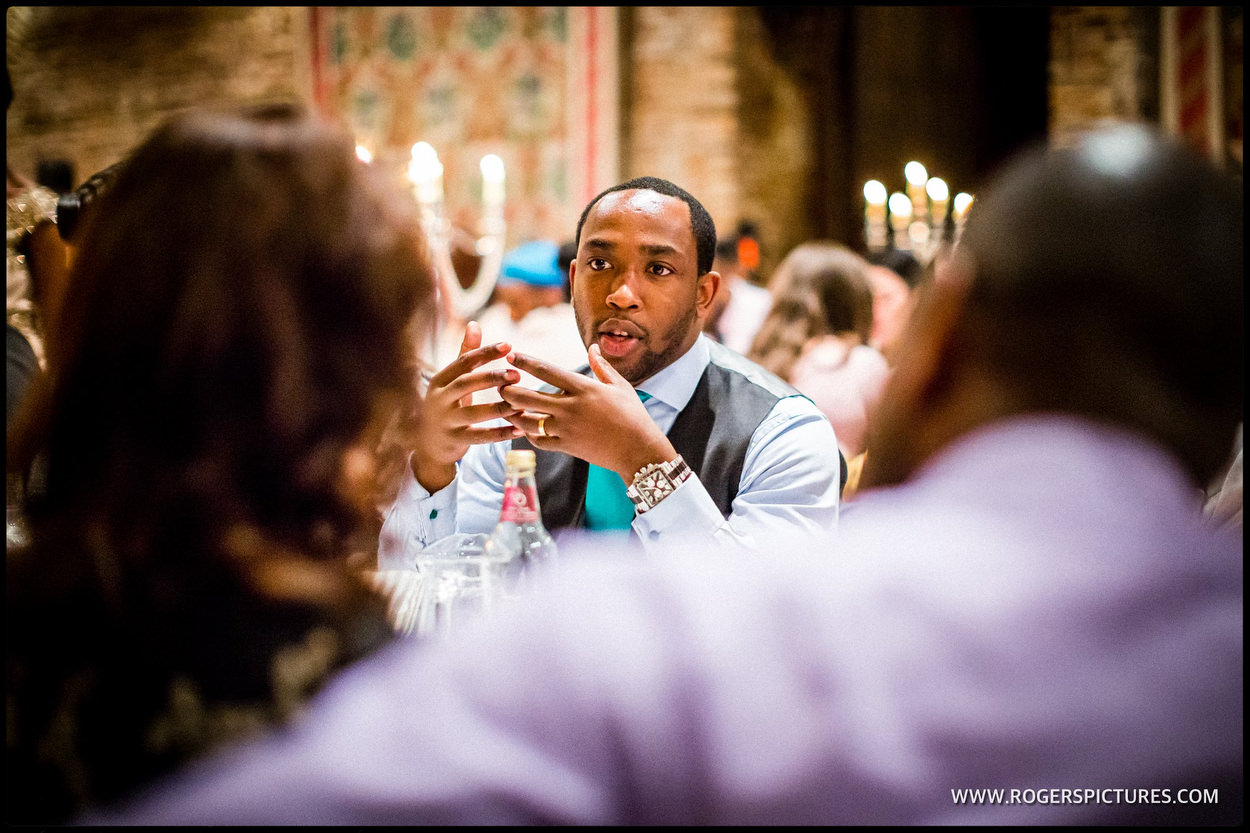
(1042, 608)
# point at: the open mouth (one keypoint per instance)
(616, 344)
(617, 338)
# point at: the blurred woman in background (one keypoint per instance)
(36, 259)
(816, 336)
(246, 298)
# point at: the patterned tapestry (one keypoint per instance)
(534, 85)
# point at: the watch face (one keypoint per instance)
(655, 482)
(653, 487)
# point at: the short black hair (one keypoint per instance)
(901, 263)
(57, 174)
(701, 224)
(1108, 281)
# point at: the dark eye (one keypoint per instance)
(597, 264)
(660, 270)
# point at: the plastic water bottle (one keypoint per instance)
(520, 539)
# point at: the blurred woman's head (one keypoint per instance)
(820, 288)
(243, 306)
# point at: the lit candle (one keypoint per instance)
(916, 178)
(426, 173)
(492, 184)
(939, 196)
(363, 154)
(900, 219)
(874, 214)
(963, 202)
(875, 197)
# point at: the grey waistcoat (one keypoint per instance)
(711, 433)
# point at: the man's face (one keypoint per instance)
(636, 291)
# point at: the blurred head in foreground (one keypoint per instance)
(242, 300)
(1103, 280)
(242, 321)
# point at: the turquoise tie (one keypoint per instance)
(607, 505)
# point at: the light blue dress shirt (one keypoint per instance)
(790, 482)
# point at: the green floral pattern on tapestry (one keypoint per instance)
(470, 80)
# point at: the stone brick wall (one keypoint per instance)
(710, 108)
(682, 100)
(1103, 65)
(775, 163)
(707, 99)
(90, 82)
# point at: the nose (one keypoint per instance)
(622, 295)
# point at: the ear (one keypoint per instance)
(705, 291)
(912, 418)
(930, 347)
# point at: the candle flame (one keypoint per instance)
(492, 168)
(900, 205)
(424, 166)
(963, 201)
(937, 189)
(915, 173)
(426, 173)
(363, 154)
(874, 192)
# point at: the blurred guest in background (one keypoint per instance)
(35, 257)
(36, 265)
(739, 306)
(243, 316)
(749, 254)
(894, 275)
(1028, 600)
(816, 334)
(56, 175)
(530, 311)
(21, 370)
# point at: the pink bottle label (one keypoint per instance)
(519, 504)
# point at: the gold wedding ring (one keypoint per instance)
(542, 421)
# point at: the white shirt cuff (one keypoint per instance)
(414, 520)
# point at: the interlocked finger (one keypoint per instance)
(469, 361)
(469, 415)
(534, 424)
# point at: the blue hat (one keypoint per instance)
(533, 263)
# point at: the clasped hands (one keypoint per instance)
(598, 418)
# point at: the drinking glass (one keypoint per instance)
(458, 581)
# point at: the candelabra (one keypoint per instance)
(915, 220)
(426, 173)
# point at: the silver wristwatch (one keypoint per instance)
(656, 481)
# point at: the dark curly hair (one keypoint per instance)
(243, 297)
